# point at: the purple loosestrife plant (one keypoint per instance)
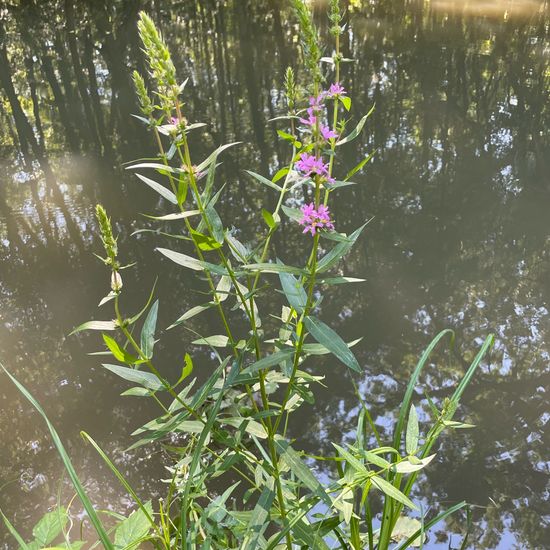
(234, 424)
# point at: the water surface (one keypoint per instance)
(458, 188)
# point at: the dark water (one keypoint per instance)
(461, 236)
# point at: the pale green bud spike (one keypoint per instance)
(145, 103)
(109, 241)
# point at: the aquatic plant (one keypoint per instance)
(236, 423)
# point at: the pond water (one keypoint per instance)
(459, 189)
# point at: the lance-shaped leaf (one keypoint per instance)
(388, 489)
(95, 325)
(356, 131)
(412, 433)
(160, 189)
(148, 331)
(146, 379)
(332, 341)
(264, 181)
(294, 291)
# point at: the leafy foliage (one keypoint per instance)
(235, 422)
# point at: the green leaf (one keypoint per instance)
(216, 224)
(356, 131)
(182, 259)
(358, 167)
(94, 519)
(216, 341)
(264, 181)
(118, 353)
(346, 101)
(388, 489)
(269, 361)
(280, 174)
(50, 526)
(274, 268)
(148, 331)
(332, 341)
(160, 189)
(333, 257)
(204, 242)
(294, 291)
(293, 213)
(23, 545)
(259, 520)
(412, 433)
(95, 325)
(175, 216)
(137, 392)
(407, 466)
(214, 155)
(131, 532)
(405, 406)
(292, 459)
(268, 218)
(146, 379)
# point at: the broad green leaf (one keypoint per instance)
(406, 466)
(319, 349)
(160, 189)
(146, 379)
(182, 259)
(355, 132)
(332, 341)
(294, 291)
(216, 341)
(204, 242)
(118, 353)
(50, 526)
(268, 218)
(292, 459)
(346, 101)
(148, 331)
(388, 489)
(131, 532)
(412, 433)
(95, 325)
(265, 181)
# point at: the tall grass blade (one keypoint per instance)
(94, 519)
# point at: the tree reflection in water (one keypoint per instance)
(459, 188)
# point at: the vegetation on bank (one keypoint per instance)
(233, 429)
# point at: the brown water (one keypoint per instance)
(459, 189)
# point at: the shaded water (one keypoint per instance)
(459, 189)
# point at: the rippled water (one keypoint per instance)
(459, 190)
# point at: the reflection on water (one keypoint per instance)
(459, 189)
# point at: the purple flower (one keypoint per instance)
(314, 219)
(309, 164)
(312, 118)
(336, 89)
(327, 133)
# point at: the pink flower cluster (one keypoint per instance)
(314, 219)
(314, 110)
(310, 165)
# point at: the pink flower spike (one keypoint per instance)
(309, 165)
(336, 89)
(314, 219)
(327, 133)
